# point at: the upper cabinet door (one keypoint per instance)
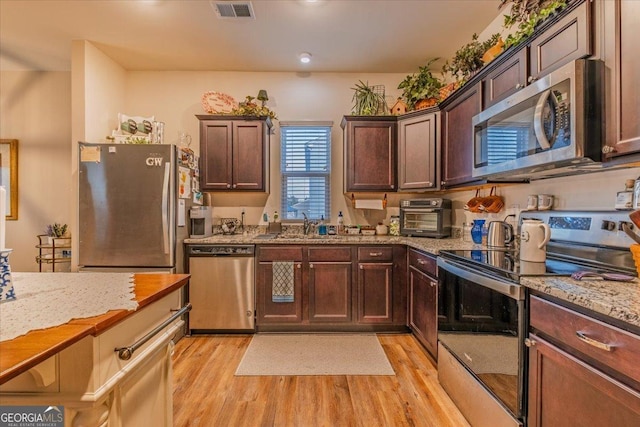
(248, 155)
(506, 79)
(370, 153)
(457, 136)
(418, 152)
(623, 84)
(216, 154)
(234, 153)
(566, 40)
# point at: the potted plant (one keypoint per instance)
(367, 101)
(56, 230)
(420, 86)
(527, 15)
(468, 59)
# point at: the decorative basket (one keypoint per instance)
(474, 204)
(492, 203)
(635, 251)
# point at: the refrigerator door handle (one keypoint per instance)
(165, 206)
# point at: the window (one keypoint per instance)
(305, 165)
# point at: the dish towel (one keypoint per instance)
(283, 281)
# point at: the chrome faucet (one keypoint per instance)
(305, 224)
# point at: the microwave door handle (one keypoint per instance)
(538, 128)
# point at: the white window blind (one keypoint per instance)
(305, 165)
(506, 142)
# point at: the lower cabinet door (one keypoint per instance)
(375, 292)
(146, 397)
(423, 316)
(330, 292)
(272, 305)
(565, 391)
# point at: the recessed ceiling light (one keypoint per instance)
(305, 57)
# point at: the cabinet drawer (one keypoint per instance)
(588, 336)
(272, 253)
(320, 254)
(375, 253)
(423, 262)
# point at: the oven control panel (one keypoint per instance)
(586, 227)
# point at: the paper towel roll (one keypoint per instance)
(369, 204)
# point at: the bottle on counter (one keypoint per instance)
(625, 199)
(322, 227)
(340, 223)
(394, 225)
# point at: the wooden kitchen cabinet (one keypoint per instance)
(234, 153)
(573, 377)
(418, 151)
(370, 145)
(457, 136)
(337, 288)
(423, 299)
(381, 290)
(506, 79)
(330, 293)
(563, 41)
(268, 310)
(623, 82)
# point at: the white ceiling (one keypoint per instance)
(341, 35)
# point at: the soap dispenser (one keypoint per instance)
(322, 227)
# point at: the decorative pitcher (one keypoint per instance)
(476, 230)
(534, 236)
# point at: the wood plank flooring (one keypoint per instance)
(206, 392)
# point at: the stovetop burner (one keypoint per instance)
(505, 264)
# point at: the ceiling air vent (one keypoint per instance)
(233, 9)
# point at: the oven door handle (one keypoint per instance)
(512, 290)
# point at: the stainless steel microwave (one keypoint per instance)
(552, 127)
(425, 217)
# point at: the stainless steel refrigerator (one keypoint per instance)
(128, 208)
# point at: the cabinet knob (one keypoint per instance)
(429, 184)
(361, 267)
(235, 185)
(422, 262)
(373, 254)
(608, 149)
(433, 284)
(299, 266)
(310, 265)
(519, 86)
(443, 183)
(531, 79)
(228, 185)
(529, 342)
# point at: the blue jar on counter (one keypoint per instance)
(476, 230)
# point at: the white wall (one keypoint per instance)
(35, 108)
(175, 98)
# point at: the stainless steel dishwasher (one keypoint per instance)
(221, 288)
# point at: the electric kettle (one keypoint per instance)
(534, 235)
(500, 234)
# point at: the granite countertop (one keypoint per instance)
(618, 300)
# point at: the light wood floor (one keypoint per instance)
(206, 392)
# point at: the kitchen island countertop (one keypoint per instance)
(22, 353)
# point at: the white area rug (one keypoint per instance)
(314, 354)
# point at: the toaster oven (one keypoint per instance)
(425, 217)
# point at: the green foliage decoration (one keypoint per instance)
(421, 85)
(366, 101)
(468, 59)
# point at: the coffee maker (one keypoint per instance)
(200, 222)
